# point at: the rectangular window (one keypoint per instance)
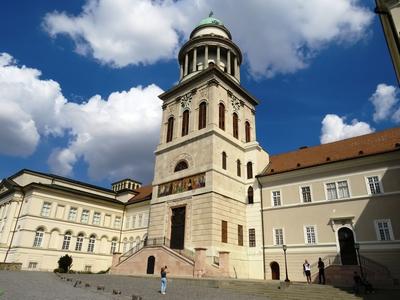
(240, 235)
(278, 235)
(252, 237)
(310, 236)
(374, 185)
(88, 268)
(96, 218)
(32, 265)
(276, 198)
(140, 220)
(85, 216)
(117, 222)
(134, 222)
(343, 189)
(73, 211)
(306, 194)
(337, 190)
(45, 209)
(384, 230)
(331, 191)
(224, 231)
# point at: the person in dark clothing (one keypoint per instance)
(321, 271)
(357, 283)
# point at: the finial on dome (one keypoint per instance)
(210, 14)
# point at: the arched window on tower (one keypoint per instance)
(224, 160)
(247, 130)
(185, 123)
(249, 170)
(202, 115)
(181, 166)
(235, 125)
(238, 168)
(250, 195)
(221, 110)
(170, 129)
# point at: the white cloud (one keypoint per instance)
(334, 128)
(115, 137)
(29, 107)
(280, 36)
(385, 101)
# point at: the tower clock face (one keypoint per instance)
(186, 100)
(235, 103)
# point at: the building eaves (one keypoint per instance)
(61, 188)
(61, 178)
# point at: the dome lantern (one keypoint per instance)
(210, 43)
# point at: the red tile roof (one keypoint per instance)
(144, 193)
(360, 146)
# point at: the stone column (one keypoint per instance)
(218, 56)
(186, 64)
(199, 262)
(224, 263)
(238, 72)
(180, 72)
(228, 61)
(235, 65)
(206, 57)
(194, 67)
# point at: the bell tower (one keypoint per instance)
(204, 190)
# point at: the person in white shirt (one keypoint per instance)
(307, 271)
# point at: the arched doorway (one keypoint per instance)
(150, 264)
(346, 242)
(275, 270)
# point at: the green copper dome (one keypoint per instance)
(210, 20)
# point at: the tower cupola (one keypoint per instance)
(210, 43)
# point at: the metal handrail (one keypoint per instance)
(157, 241)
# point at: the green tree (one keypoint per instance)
(65, 263)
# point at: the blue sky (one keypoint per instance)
(305, 61)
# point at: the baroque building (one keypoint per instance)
(219, 205)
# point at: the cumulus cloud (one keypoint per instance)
(334, 128)
(29, 107)
(280, 36)
(385, 101)
(115, 137)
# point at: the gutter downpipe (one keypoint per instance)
(262, 226)
(15, 226)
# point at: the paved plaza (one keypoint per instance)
(48, 286)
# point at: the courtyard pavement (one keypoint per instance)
(48, 286)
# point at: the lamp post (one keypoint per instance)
(357, 247)
(284, 247)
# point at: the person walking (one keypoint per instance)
(321, 271)
(307, 271)
(164, 272)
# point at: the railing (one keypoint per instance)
(155, 242)
(374, 266)
(329, 260)
(132, 251)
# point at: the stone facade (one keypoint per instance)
(219, 205)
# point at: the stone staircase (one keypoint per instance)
(293, 291)
(342, 275)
